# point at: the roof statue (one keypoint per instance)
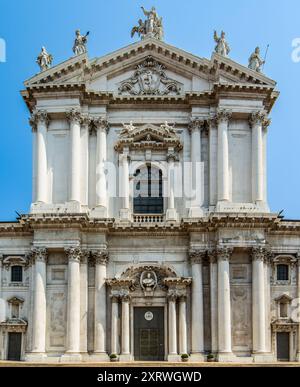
(222, 46)
(255, 61)
(152, 27)
(80, 42)
(44, 60)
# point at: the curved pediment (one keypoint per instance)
(148, 136)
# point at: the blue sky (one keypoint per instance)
(27, 25)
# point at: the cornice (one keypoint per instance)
(273, 225)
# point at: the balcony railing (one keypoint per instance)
(148, 218)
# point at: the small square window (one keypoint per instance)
(16, 274)
(282, 272)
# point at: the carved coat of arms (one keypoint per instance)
(150, 78)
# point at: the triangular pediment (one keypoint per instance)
(100, 74)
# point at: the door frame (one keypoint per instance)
(291, 329)
(5, 343)
(153, 305)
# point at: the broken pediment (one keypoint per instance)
(148, 136)
(150, 78)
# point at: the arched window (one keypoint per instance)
(16, 274)
(282, 272)
(148, 197)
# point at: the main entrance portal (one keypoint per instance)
(149, 333)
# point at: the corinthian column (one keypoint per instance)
(258, 300)
(74, 255)
(114, 324)
(101, 259)
(86, 121)
(224, 304)
(75, 118)
(223, 117)
(197, 305)
(197, 178)
(39, 122)
(38, 257)
(171, 213)
(172, 297)
(257, 121)
(125, 344)
(124, 184)
(2, 301)
(102, 127)
(298, 304)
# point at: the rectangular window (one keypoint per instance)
(283, 310)
(16, 274)
(282, 272)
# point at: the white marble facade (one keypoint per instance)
(224, 270)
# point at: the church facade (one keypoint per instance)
(149, 235)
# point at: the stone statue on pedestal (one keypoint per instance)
(44, 60)
(80, 43)
(255, 61)
(222, 46)
(152, 27)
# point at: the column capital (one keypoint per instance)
(73, 253)
(196, 256)
(101, 124)
(212, 255)
(224, 253)
(260, 253)
(85, 256)
(196, 123)
(39, 116)
(114, 298)
(38, 254)
(172, 295)
(172, 157)
(259, 117)
(100, 257)
(223, 115)
(74, 116)
(124, 295)
(86, 120)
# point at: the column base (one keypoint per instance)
(197, 356)
(298, 356)
(226, 357)
(72, 207)
(99, 356)
(227, 206)
(99, 212)
(174, 358)
(196, 212)
(125, 215)
(35, 357)
(125, 357)
(263, 357)
(70, 357)
(171, 215)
